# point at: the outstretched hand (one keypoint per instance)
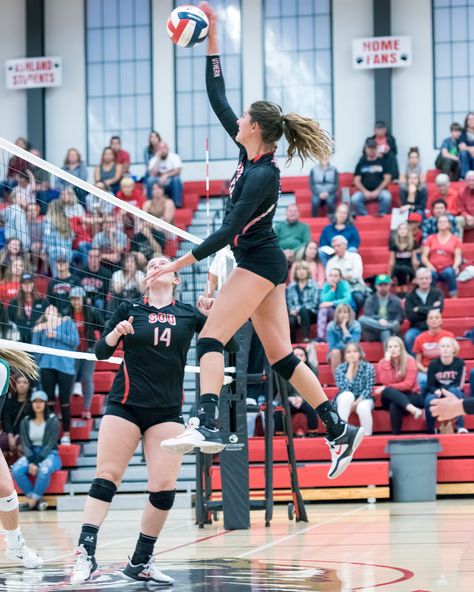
(204, 305)
(446, 407)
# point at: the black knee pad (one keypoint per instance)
(205, 345)
(162, 500)
(103, 490)
(286, 366)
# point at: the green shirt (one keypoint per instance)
(292, 236)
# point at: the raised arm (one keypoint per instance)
(214, 79)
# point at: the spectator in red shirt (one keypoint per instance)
(397, 373)
(426, 346)
(444, 191)
(16, 165)
(11, 284)
(121, 156)
(466, 205)
(130, 193)
(442, 255)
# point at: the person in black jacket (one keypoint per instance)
(386, 147)
(418, 304)
(26, 308)
(446, 375)
(90, 323)
(39, 433)
(256, 287)
(17, 406)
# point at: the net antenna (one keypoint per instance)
(208, 212)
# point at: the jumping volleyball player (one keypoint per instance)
(145, 401)
(256, 288)
(16, 550)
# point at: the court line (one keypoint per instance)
(307, 529)
(111, 544)
(195, 542)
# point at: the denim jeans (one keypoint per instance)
(85, 375)
(376, 331)
(330, 203)
(358, 203)
(430, 420)
(46, 468)
(410, 337)
(173, 188)
(446, 275)
(422, 378)
(466, 162)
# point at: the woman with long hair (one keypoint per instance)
(309, 254)
(145, 402)
(108, 171)
(344, 329)
(302, 301)
(403, 258)
(342, 225)
(17, 405)
(12, 250)
(413, 195)
(355, 380)
(126, 283)
(256, 287)
(59, 332)
(397, 373)
(39, 433)
(16, 551)
(58, 235)
(10, 285)
(150, 151)
(466, 145)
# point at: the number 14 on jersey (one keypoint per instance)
(163, 337)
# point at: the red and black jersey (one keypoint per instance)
(152, 373)
(254, 189)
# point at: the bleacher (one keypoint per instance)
(368, 475)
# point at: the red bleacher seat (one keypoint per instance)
(77, 405)
(56, 486)
(69, 454)
(103, 381)
(81, 429)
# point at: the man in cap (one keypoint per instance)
(383, 312)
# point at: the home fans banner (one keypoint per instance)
(33, 72)
(381, 52)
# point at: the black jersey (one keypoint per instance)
(152, 372)
(445, 375)
(254, 189)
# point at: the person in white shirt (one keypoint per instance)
(219, 270)
(165, 167)
(350, 265)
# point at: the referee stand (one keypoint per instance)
(234, 501)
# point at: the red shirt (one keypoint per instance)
(8, 290)
(441, 255)
(79, 319)
(427, 345)
(135, 199)
(122, 157)
(466, 202)
(387, 375)
(451, 200)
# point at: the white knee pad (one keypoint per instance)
(9, 503)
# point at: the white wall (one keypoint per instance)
(12, 45)
(66, 104)
(354, 102)
(412, 87)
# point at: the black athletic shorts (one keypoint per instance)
(145, 417)
(268, 262)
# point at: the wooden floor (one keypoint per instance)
(425, 547)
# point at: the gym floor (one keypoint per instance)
(423, 547)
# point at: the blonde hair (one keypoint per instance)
(340, 308)
(21, 362)
(57, 217)
(402, 369)
(127, 182)
(302, 265)
(409, 241)
(454, 344)
(304, 135)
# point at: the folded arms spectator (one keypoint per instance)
(383, 312)
(324, 183)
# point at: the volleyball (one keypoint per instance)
(187, 25)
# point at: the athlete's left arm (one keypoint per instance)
(260, 184)
(102, 349)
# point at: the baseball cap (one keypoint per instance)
(415, 217)
(26, 277)
(41, 395)
(77, 292)
(383, 278)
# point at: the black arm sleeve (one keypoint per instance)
(260, 184)
(216, 92)
(102, 349)
(468, 405)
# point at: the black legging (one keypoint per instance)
(396, 402)
(308, 317)
(49, 380)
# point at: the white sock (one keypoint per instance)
(13, 538)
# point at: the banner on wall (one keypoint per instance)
(33, 72)
(381, 52)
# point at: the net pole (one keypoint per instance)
(100, 193)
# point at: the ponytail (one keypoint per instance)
(21, 362)
(306, 138)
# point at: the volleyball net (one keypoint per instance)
(73, 251)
